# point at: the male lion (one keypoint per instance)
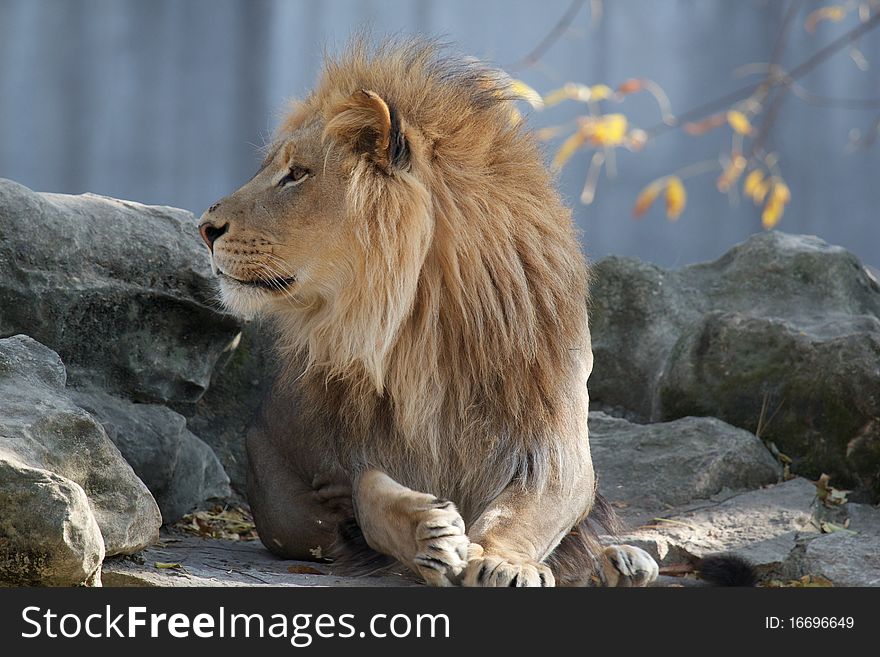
(429, 298)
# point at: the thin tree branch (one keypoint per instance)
(782, 40)
(776, 104)
(783, 80)
(830, 101)
(833, 47)
(550, 38)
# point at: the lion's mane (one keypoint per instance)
(456, 350)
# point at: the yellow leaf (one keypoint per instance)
(781, 192)
(772, 213)
(760, 191)
(646, 198)
(606, 130)
(568, 148)
(524, 92)
(676, 197)
(779, 196)
(833, 13)
(739, 122)
(752, 182)
(600, 92)
(570, 91)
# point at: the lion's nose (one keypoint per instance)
(210, 233)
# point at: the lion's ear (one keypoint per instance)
(370, 127)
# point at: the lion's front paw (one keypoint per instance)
(492, 570)
(626, 565)
(442, 544)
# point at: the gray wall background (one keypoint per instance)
(166, 101)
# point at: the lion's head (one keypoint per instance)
(405, 233)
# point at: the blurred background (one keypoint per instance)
(167, 101)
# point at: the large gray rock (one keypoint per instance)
(41, 428)
(48, 534)
(781, 333)
(181, 471)
(657, 466)
(240, 382)
(637, 312)
(845, 559)
(122, 291)
(863, 519)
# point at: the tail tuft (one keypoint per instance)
(727, 570)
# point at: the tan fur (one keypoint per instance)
(436, 332)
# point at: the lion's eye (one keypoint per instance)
(295, 176)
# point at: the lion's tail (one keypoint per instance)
(726, 570)
(576, 560)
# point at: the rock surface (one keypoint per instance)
(181, 471)
(845, 559)
(782, 333)
(52, 538)
(208, 562)
(763, 526)
(42, 430)
(122, 291)
(224, 414)
(657, 466)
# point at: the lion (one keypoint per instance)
(428, 296)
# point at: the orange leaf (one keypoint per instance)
(631, 86)
(704, 126)
(303, 570)
(646, 198)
